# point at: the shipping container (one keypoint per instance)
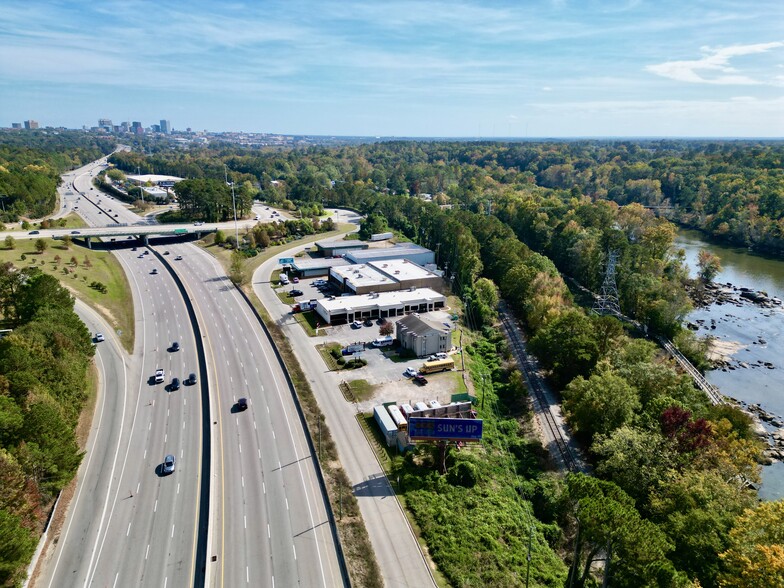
(386, 424)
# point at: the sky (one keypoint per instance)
(487, 69)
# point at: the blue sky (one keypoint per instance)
(549, 68)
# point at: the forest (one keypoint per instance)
(44, 382)
(31, 162)
(671, 501)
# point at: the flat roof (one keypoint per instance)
(307, 264)
(361, 275)
(341, 244)
(397, 251)
(401, 269)
(381, 300)
(154, 178)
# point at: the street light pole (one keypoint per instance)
(234, 206)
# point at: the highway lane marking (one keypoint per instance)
(273, 434)
(287, 503)
(145, 455)
(243, 481)
(165, 438)
(128, 532)
(247, 575)
(295, 551)
(139, 485)
(155, 508)
(245, 520)
(116, 576)
(263, 485)
(183, 424)
(172, 533)
(147, 552)
(178, 487)
(240, 445)
(268, 532)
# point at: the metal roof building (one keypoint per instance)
(410, 251)
(339, 247)
(345, 309)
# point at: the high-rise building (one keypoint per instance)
(137, 128)
(125, 126)
(165, 126)
(105, 123)
(16, 125)
(156, 128)
(31, 124)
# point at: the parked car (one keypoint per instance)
(295, 292)
(168, 465)
(99, 338)
(410, 372)
(419, 379)
(368, 322)
(295, 280)
(242, 404)
(175, 384)
(356, 325)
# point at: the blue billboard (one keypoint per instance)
(285, 260)
(425, 428)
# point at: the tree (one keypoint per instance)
(709, 266)
(386, 329)
(41, 245)
(567, 346)
(756, 553)
(220, 237)
(10, 242)
(17, 545)
(374, 223)
(237, 270)
(600, 404)
(67, 241)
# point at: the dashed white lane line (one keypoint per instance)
(147, 553)
(172, 533)
(128, 532)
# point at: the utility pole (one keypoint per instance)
(234, 206)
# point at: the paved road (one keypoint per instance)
(269, 520)
(400, 559)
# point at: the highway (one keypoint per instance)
(130, 508)
(268, 522)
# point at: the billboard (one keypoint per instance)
(285, 260)
(435, 429)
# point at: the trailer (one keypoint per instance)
(386, 424)
(406, 409)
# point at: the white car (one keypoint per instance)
(410, 372)
(99, 338)
(160, 375)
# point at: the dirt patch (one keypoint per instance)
(720, 350)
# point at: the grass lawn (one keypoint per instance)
(307, 321)
(361, 389)
(116, 306)
(325, 351)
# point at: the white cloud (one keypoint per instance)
(716, 62)
(547, 89)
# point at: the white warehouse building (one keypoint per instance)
(345, 309)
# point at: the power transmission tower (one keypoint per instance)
(607, 301)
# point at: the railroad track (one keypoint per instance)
(534, 383)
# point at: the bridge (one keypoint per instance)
(141, 232)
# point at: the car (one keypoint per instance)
(191, 380)
(242, 404)
(368, 322)
(257, 217)
(110, 210)
(166, 252)
(356, 325)
(154, 271)
(319, 282)
(410, 372)
(175, 346)
(178, 258)
(146, 251)
(76, 208)
(116, 216)
(75, 232)
(141, 256)
(175, 384)
(99, 338)
(33, 232)
(168, 465)
(295, 279)
(295, 292)
(198, 224)
(133, 249)
(160, 375)
(419, 379)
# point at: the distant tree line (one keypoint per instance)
(31, 163)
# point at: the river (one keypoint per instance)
(757, 330)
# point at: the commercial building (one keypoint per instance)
(381, 276)
(137, 128)
(346, 309)
(339, 247)
(422, 336)
(16, 125)
(155, 179)
(105, 123)
(31, 124)
(305, 267)
(166, 127)
(410, 251)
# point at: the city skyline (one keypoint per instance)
(549, 69)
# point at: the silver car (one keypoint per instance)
(168, 465)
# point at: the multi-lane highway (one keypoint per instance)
(129, 524)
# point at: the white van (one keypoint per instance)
(383, 341)
(283, 279)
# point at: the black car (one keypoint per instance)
(33, 232)
(175, 384)
(369, 323)
(191, 381)
(75, 232)
(175, 346)
(295, 292)
(242, 404)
